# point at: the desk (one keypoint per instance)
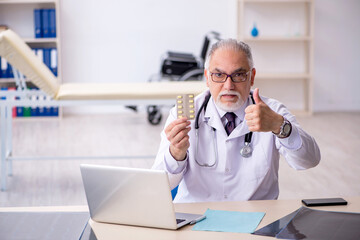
(274, 210)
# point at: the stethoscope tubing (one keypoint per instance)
(203, 106)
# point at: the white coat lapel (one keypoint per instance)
(213, 119)
(242, 128)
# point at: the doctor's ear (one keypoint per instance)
(207, 77)
(253, 73)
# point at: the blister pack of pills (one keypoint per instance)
(185, 106)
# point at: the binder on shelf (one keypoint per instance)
(34, 51)
(54, 61)
(27, 111)
(39, 53)
(37, 22)
(52, 23)
(41, 109)
(55, 111)
(34, 111)
(47, 59)
(45, 23)
(10, 73)
(48, 110)
(19, 110)
(51, 111)
(4, 67)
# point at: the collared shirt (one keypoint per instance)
(233, 177)
(240, 114)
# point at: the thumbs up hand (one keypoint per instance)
(260, 118)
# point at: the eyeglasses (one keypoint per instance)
(235, 77)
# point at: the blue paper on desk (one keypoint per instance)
(229, 221)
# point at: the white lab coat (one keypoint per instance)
(234, 178)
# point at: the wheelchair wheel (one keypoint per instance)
(154, 114)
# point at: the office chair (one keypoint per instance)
(174, 192)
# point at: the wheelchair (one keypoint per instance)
(178, 66)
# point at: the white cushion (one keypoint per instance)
(139, 90)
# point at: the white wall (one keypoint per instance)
(122, 41)
(337, 55)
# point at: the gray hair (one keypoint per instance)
(230, 44)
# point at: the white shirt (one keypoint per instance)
(233, 177)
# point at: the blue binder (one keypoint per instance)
(53, 61)
(55, 111)
(45, 23)
(4, 67)
(10, 73)
(34, 109)
(52, 23)
(48, 110)
(19, 111)
(47, 58)
(40, 110)
(37, 22)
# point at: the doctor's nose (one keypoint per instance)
(229, 84)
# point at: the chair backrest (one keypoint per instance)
(209, 37)
(21, 57)
(174, 192)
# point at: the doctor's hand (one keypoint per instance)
(260, 118)
(177, 133)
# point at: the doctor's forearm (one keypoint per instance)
(307, 156)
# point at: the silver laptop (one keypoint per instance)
(132, 196)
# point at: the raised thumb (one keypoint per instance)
(256, 96)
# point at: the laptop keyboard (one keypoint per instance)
(179, 221)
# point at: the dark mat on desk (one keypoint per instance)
(322, 225)
(307, 223)
(275, 227)
(42, 225)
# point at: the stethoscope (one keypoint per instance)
(245, 151)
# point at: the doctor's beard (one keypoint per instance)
(233, 106)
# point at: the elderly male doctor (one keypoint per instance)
(221, 163)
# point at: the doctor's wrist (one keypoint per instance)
(277, 124)
(285, 129)
(178, 155)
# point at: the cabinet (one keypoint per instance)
(283, 48)
(18, 15)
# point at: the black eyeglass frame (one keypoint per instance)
(231, 76)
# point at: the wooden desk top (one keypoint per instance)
(274, 210)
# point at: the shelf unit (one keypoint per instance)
(283, 49)
(18, 15)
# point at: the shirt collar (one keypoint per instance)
(240, 113)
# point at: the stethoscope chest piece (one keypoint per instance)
(246, 151)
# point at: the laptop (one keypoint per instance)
(132, 196)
